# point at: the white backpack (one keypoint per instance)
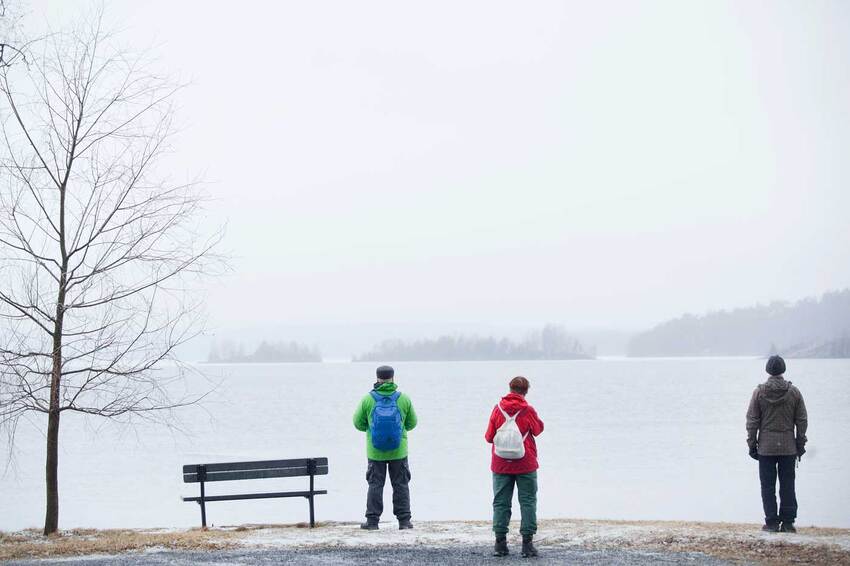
(508, 442)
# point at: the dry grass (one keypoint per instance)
(30, 544)
(773, 553)
(730, 542)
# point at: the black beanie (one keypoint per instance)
(775, 365)
(385, 372)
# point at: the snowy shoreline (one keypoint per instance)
(811, 545)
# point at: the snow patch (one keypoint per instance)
(568, 533)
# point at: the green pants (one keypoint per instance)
(503, 494)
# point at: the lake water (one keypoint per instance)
(624, 439)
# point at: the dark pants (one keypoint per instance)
(769, 468)
(376, 475)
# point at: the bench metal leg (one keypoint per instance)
(203, 505)
(202, 475)
(312, 512)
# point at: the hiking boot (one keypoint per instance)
(771, 528)
(369, 526)
(404, 524)
(528, 549)
(787, 528)
(501, 548)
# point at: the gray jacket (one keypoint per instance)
(776, 408)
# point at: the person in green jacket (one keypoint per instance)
(385, 415)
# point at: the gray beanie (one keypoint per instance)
(385, 372)
(775, 365)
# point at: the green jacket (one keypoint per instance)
(363, 422)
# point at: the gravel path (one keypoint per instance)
(465, 555)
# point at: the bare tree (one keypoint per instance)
(10, 51)
(99, 257)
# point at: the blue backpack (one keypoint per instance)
(386, 421)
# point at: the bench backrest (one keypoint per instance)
(193, 473)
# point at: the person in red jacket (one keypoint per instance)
(521, 472)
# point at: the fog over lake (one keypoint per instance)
(624, 439)
(605, 164)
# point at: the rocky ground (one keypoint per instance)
(559, 541)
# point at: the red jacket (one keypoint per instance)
(528, 421)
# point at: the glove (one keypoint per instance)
(800, 451)
(754, 452)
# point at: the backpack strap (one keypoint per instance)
(505, 414)
(378, 397)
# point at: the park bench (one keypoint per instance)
(203, 473)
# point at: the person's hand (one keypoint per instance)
(800, 451)
(754, 452)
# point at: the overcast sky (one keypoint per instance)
(600, 164)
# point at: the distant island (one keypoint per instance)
(550, 343)
(228, 352)
(809, 328)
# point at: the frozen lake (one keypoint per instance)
(624, 439)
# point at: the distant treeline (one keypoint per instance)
(267, 352)
(550, 343)
(807, 328)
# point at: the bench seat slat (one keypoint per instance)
(255, 474)
(257, 465)
(257, 495)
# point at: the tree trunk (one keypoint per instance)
(51, 519)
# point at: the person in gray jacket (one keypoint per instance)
(776, 410)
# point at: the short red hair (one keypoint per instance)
(519, 384)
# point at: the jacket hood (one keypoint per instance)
(776, 389)
(512, 403)
(387, 388)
